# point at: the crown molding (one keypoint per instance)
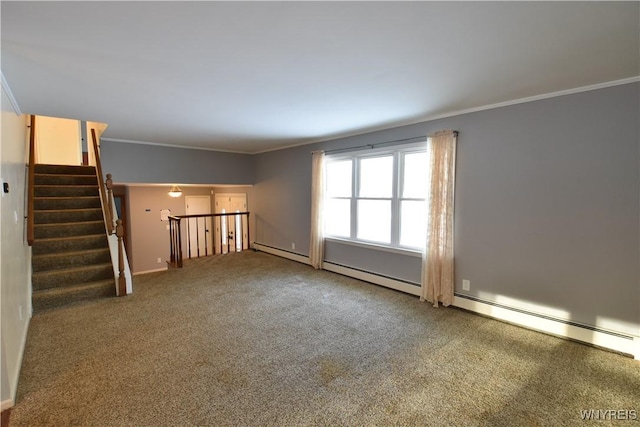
(159, 144)
(9, 93)
(537, 97)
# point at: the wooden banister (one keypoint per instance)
(109, 185)
(235, 233)
(122, 281)
(106, 194)
(108, 219)
(31, 184)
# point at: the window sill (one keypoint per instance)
(401, 251)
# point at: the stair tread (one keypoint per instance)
(50, 224)
(67, 288)
(70, 253)
(71, 289)
(66, 197)
(57, 298)
(69, 270)
(67, 210)
(84, 236)
(64, 185)
(58, 174)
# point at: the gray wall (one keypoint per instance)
(547, 204)
(139, 163)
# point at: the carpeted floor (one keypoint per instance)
(250, 339)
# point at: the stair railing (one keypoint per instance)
(223, 238)
(108, 217)
(31, 185)
(113, 224)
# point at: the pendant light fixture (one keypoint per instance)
(175, 191)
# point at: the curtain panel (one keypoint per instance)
(437, 257)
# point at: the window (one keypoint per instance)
(377, 196)
(338, 203)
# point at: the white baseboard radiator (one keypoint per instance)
(627, 344)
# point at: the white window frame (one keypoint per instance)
(398, 153)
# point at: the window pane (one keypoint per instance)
(339, 178)
(374, 220)
(413, 223)
(337, 217)
(376, 177)
(415, 176)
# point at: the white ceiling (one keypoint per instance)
(254, 76)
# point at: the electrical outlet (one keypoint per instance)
(293, 246)
(159, 260)
(466, 285)
(20, 312)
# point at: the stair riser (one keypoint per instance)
(45, 231)
(64, 169)
(66, 203)
(65, 180)
(57, 279)
(53, 262)
(44, 301)
(41, 247)
(65, 191)
(56, 217)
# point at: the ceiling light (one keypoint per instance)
(175, 191)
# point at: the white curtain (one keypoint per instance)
(437, 256)
(316, 248)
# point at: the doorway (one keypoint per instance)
(199, 229)
(231, 232)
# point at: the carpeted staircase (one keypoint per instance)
(71, 260)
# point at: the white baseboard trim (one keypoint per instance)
(150, 271)
(377, 279)
(13, 386)
(281, 253)
(623, 343)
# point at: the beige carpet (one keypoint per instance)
(251, 339)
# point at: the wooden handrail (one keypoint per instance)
(30, 197)
(106, 193)
(208, 215)
(103, 193)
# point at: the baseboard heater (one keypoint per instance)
(280, 252)
(620, 342)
